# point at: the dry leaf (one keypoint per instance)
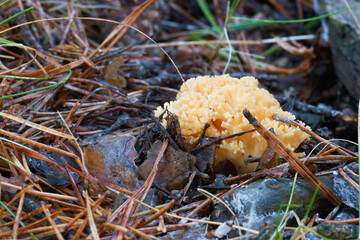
(111, 72)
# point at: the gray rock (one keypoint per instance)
(259, 202)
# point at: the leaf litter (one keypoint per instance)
(119, 173)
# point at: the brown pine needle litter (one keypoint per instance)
(75, 74)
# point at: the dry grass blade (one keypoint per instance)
(79, 62)
(42, 229)
(81, 214)
(311, 133)
(345, 221)
(159, 213)
(38, 193)
(119, 31)
(127, 206)
(22, 192)
(170, 227)
(89, 102)
(37, 126)
(116, 227)
(221, 42)
(27, 151)
(52, 222)
(66, 67)
(39, 145)
(34, 73)
(139, 233)
(32, 226)
(90, 216)
(295, 50)
(81, 228)
(292, 159)
(203, 204)
(17, 218)
(349, 179)
(26, 216)
(100, 181)
(76, 189)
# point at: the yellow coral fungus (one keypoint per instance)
(219, 101)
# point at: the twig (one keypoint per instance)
(341, 150)
(292, 159)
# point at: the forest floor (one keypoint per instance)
(85, 155)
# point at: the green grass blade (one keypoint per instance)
(282, 206)
(233, 7)
(273, 21)
(7, 160)
(4, 2)
(313, 24)
(232, 10)
(268, 52)
(208, 14)
(12, 214)
(212, 31)
(314, 232)
(296, 232)
(312, 201)
(39, 89)
(5, 41)
(246, 25)
(287, 209)
(16, 15)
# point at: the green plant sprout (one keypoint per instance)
(7, 42)
(314, 232)
(311, 202)
(308, 209)
(38, 89)
(1, 4)
(251, 23)
(12, 214)
(16, 15)
(7, 160)
(273, 21)
(209, 16)
(276, 233)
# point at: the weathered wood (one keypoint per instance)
(344, 38)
